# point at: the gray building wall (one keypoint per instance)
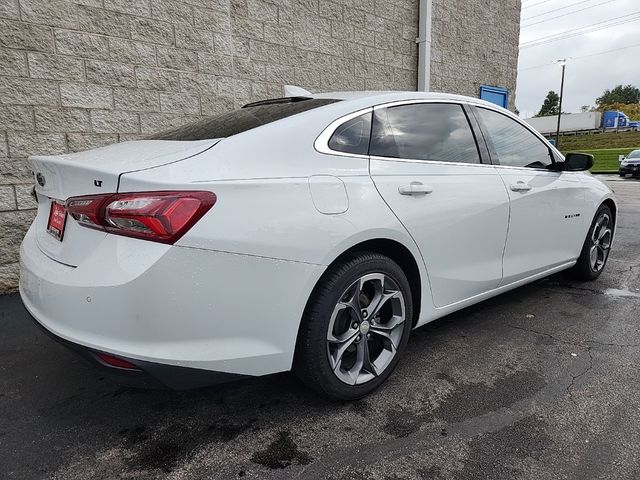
(474, 43)
(78, 74)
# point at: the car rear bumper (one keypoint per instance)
(146, 374)
(172, 306)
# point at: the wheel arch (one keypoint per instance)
(400, 254)
(614, 209)
(396, 251)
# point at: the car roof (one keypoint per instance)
(378, 97)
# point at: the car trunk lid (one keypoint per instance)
(94, 172)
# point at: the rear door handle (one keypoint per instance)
(520, 187)
(415, 188)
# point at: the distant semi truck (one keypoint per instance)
(583, 122)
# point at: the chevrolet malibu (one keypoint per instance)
(309, 233)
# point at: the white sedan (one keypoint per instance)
(308, 233)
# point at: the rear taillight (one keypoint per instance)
(157, 216)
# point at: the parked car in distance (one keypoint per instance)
(308, 233)
(630, 165)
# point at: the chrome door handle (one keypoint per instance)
(520, 187)
(415, 188)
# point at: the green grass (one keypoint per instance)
(606, 160)
(605, 147)
(597, 141)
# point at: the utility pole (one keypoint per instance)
(563, 64)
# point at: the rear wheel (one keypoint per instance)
(355, 327)
(595, 251)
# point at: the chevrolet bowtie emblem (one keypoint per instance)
(40, 179)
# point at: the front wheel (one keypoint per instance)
(355, 327)
(595, 251)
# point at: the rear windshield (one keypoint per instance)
(250, 116)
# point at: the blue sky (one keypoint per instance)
(586, 77)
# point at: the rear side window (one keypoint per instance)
(238, 121)
(352, 136)
(515, 145)
(424, 131)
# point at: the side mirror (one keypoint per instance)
(578, 162)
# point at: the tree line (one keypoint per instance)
(625, 98)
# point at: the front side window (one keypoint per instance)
(424, 131)
(352, 136)
(514, 144)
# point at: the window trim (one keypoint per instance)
(335, 131)
(478, 135)
(321, 143)
(493, 154)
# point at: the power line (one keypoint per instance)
(582, 30)
(535, 4)
(586, 26)
(609, 51)
(582, 56)
(577, 34)
(556, 10)
(566, 14)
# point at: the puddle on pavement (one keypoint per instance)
(281, 453)
(616, 292)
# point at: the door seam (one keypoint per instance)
(424, 263)
(506, 238)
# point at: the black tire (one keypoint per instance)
(583, 269)
(312, 363)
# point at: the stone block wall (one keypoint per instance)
(475, 43)
(78, 74)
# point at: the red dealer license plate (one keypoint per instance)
(57, 219)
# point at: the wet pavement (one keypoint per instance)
(542, 382)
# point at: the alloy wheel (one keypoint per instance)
(366, 328)
(601, 237)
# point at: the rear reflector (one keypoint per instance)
(158, 216)
(115, 362)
